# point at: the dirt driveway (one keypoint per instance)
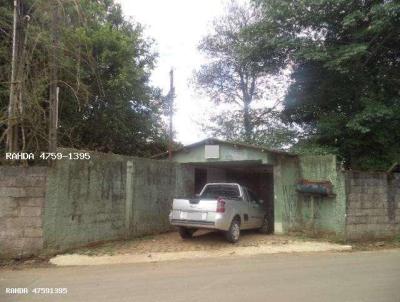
(172, 242)
(204, 244)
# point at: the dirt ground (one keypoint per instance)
(204, 244)
(204, 240)
(169, 246)
(172, 242)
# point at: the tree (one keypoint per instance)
(268, 128)
(15, 87)
(122, 111)
(232, 76)
(19, 46)
(104, 64)
(345, 89)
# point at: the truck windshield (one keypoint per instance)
(215, 191)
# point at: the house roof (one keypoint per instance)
(222, 142)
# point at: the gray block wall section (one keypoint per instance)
(85, 202)
(110, 197)
(74, 203)
(155, 184)
(373, 205)
(22, 197)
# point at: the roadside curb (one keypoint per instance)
(297, 247)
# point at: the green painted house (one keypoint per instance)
(274, 176)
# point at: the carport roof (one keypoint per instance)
(218, 141)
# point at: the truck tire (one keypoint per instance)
(186, 233)
(264, 229)
(233, 234)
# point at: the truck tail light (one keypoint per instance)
(220, 205)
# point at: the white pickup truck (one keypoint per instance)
(227, 207)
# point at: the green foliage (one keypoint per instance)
(5, 57)
(233, 76)
(268, 129)
(106, 101)
(345, 89)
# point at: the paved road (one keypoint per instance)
(358, 277)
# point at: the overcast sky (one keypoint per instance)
(177, 27)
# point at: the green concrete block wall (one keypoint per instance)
(102, 199)
(297, 212)
(155, 184)
(184, 181)
(328, 214)
(286, 175)
(85, 201)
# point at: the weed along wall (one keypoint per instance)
(74, 203)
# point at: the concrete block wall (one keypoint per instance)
(22, 198)
(85, 201)
(323, 214)
(75, 203)
(285, 175)
(110, 197)
(373, 205)
(304, 213)
(154, 185)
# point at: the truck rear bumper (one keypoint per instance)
(217, 222)
(181, 222)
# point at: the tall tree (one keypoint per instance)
(233, 77)
(345, 90)
(122, 111)
(104, 64)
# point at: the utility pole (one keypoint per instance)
(54, 90)
(12, 125)
(171, 96)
